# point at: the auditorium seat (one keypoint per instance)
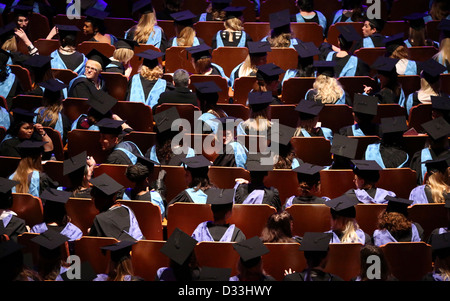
(243, 86)
(333, 31)
(285, 58)
(9, 165)
(369, 55)
(27, 102)
(363, 142)
(205, 144)
(389, 110)
(217, 255)
(187, 216)
(136, 61)
(235, 110)
(207, 30)
(271, 6)
(314, 150)
(144, 140)
(88, 248)
(408, 261)
(258, 214)
(58, 145)
(309, 218)
(28, 208)
(224, 177)
(221, 82)
(355, 84)
(410, 83)
(308, 32)
(23, 76)
(186, 111)
(281, 257)
(229, 57)
(32, 248)
(137, 115)
(285, 180)
(445, 83)
(429, 216)
(115, 171)
(399, 180)
(257, 30)
(117, 26)
(54, 169)
(327, 117)
(85, 140)
(367, 216)
(344, 260)
(64, 75)
(73, 107)
(82, 213)
(116, 85)
(295, 88)
(401, 8)
(178, 58)
(284, 113)
(46, 46)
(147, 258)
(174, 179)
(335, 182)
(422, 53)
(412, 144)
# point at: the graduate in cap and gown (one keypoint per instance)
(120, 267)
(437, 146)
(285, 157)
(394, 224)
(122, 55)
(315, 248)
(397, 49)
(66, 56)
(221, 201)
(347, 64)
(364, 109)
(255, 191)
(326, 88)
(119, 151)
(417, 33)
(83, 85)
(306, 53)
(94, 26)
(308, 14)
(215, 11)
(87, 4)
(367, 174)
(258, 122)
(430, 85)
(184, 29)
(183, 265)
(208, 96)
(344, 226)
(441, 256)
(440, 107)
(443, 229)
(308, 118)
(146, 31)
(390, 152)
(435, 186)
(234, 34)
(163, 152)
(308, 176)
(268, 80)
(13, 262)
(50, 114)
(79, 170)
(372, 36)
(143, 190)
(147, 85)
(114, 219)
(10, 224)
(39, 67)
(250, 266)
(343, 151)
(280, 30)
(29, 173)
(9, 43)
(351, 11)
(443, 56)
(197, 181)
(257, 56)
(55, 215)
(9, 83)
(201, 59)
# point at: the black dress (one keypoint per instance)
(83, 88)
(178, 95)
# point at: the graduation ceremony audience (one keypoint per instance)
(56, 90)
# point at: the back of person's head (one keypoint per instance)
(181, 78)
(440, 9)
(438, 182)
(137, 172)
(278, 228)
(315, 259)
(394, 222)
(372, 250)
(221, 211)
(123, 55)
(305, 5)
(186, 36)
(173, 5)
(234, 24)
(6, 200)
(68, 40)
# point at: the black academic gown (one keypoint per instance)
(15, 227)
(178, 95)
(73, 60)
(271, 195)
(416, 162)
(377, 40)
(217, 232)
(83, 88)
(184, 197)
(115, 67)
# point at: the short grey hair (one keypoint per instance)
(181, 78)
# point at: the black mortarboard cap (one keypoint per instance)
(440, 103)
(120, 249)
(198, 161)
(437, 128)
(251, 250)
(65, 30)
(7, 31)
(74, 163)
(315, 241)
(283, 135)
(220, 4)
(146, 161)
(55, 195)
(269, 71)
(207, 87)
(370, 165)
(21, 9)
(106, 184)
(151, 57)
(37, 61)
(258, 48)
(344, 146)
(440, 241)
(259, 98)
(21, 114)
(199, 52)
(343, 206)
(309, 108)
(53, 85)
(325, 67)
(50, 239)
(234, 11)
(101, 101)
(376, 23)
(7, 184)
(125, 44)
(214, 274)
(142, 6)
(444, 27)
(431, 70)
(308, 169)
(96, 14)
(218, 196)
(163, 120)
(31, 147)
(4, 57)
(349, 33)
(396, 204)
(185, 17)
(365, 104)
(9, 247)
(393, 124)
(110, 126)
(416, 20)
(179, 246)
(279, 19)
(306, 49)
(384, 64)
(392, 42)
(437, 165)
(255, 163)
(99, 57)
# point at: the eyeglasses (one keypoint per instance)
(91, 68)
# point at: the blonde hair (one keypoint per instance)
(444, 50)
(123, 55)
(25, 167)
(233, 24)
(258, 121)
(426, 90)
(308, 125)
(49, 113)
(280, 41)
(151, 74)
(247, 67)
(10, 45)
(145, 27)
(328, 89)
(118, 271)
(347, 226)
(186, 36)
(439, 187)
